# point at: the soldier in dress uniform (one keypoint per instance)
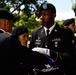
(13, 56)
(60, 41)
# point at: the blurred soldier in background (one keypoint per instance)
(70, 23)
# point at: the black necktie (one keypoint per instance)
(47, 36)
(47, 32)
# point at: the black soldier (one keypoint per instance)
(60, 41)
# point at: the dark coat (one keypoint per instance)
(60, 43)
(14, 57)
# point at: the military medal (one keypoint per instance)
(56, 40)
(38, 42)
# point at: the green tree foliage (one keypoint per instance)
(21, 20)
(24, 20)
(60, 22)
(73, 4)
(21, 6)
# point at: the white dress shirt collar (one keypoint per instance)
(2, 30)
(51, 28)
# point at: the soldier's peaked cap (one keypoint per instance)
(5, 14)
(46, 6)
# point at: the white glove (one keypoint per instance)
(42, 50)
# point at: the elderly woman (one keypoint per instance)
(22, 33)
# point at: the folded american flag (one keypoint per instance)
(49, 66)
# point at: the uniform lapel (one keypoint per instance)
(53, 34)
(54, 31)
(43, 37)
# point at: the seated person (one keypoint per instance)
(22, 33)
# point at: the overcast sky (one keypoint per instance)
(63, 8)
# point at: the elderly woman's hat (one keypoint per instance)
(19, 30)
